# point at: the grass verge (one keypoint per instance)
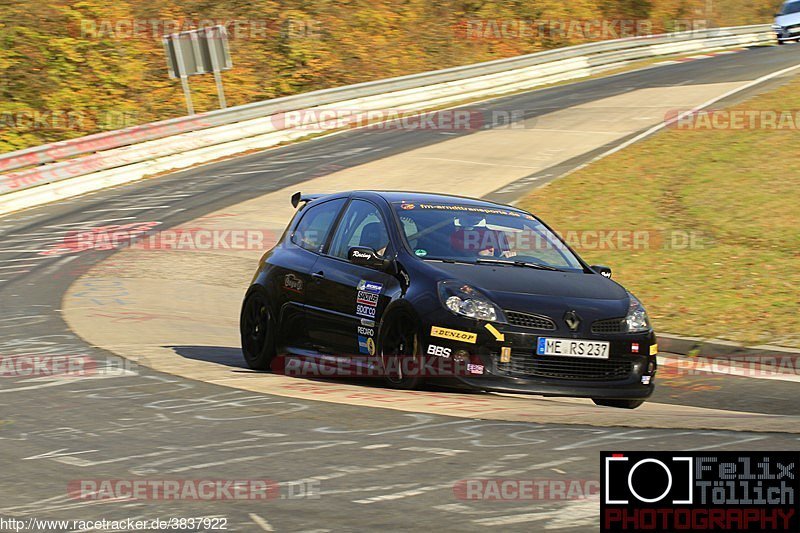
(736, 190)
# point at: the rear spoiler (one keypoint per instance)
(298, 198)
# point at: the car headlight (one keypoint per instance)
(465, 300)
(777, 27)
(637, 319)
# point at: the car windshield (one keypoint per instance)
(790, 8)
(455, 232)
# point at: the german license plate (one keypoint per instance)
(573, 348)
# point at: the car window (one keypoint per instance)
(790, 8)
(361, 225)
(312, 230)
(470, 233)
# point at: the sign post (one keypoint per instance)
(194, 52)
(216, 59)
(180, 63)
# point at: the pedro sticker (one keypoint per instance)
(454, 335)
(505, 354)
(654, 349)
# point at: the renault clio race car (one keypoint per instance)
(492, 290)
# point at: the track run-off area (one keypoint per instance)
(170, 397)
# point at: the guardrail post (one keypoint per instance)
(220, 91)
(181, 71)
(215, 67)
(187, 93)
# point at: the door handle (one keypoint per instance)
(317, 276)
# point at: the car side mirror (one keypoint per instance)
(365, 256)
(602, 270)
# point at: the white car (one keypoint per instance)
(787, 22)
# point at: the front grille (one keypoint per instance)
(526, 364)
(524, 320)
(613, 325)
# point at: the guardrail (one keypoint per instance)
(110, 158)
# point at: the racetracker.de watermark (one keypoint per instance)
(190, 489)
(754, 366)
(236, 28)
(371, 366)
(733, 119)
(533, 242)
(62, 366)
(45, 120)
(525, 489)
(143, 236)
(452, 120)
(494, 29)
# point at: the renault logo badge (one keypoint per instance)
(573, 320)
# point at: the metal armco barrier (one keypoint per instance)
(184, 141)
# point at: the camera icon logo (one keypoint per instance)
(665, 480)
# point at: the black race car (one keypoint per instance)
(471, 292)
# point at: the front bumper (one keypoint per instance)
(787, 35)
(628, 373)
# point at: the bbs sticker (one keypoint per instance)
(439, 351)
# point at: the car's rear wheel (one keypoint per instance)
(621, 404)
(400, 353)
(257, 331)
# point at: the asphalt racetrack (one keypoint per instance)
(171, 399)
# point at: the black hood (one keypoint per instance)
(524, 280)
(542, 291)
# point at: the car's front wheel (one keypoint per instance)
(621, 404)
(257, 331)
(400, 353)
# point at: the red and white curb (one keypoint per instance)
(700, 56)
